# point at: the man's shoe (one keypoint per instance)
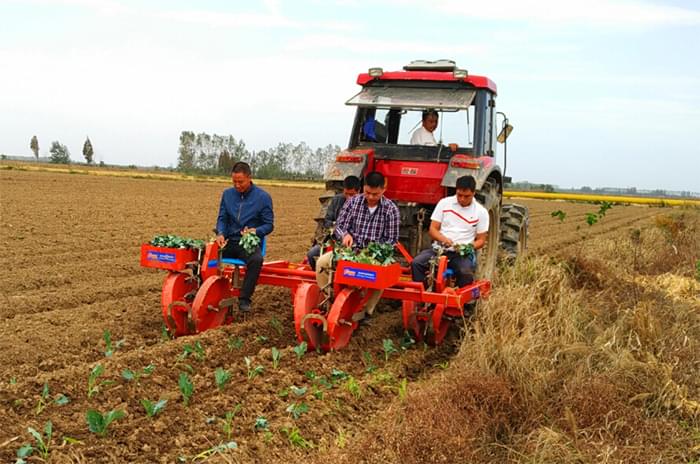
(244, 305)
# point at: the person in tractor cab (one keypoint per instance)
(364, 218)
(424, 134)
(351, 187)
(456, 220)
(245, 208)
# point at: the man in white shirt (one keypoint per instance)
(424, 134)
(456, 220)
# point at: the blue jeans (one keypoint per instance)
(462, 266)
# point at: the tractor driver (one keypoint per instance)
(457, 219)
(244, 208)
(367, 217)
(424, 134)
(351, 187)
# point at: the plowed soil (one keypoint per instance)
(70, 271)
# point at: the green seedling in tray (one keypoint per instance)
(173, 241)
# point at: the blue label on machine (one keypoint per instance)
(160, 256)
(370, 276)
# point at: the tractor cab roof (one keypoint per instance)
(422, 70)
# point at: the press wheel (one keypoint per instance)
(175, 299)
(208, 309)
(340, 322)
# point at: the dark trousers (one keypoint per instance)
(463, 267)
(253, 264)
(312, 255)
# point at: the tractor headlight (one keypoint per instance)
(375, 72)
(460, 73)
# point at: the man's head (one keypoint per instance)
(351, 186)
(374, 188)
(241, 176)
(430, 120)
(466, 185)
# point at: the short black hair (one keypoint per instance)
(374, 179)
(351, 183)
(427, 113)
(241, 166)
(466, 183)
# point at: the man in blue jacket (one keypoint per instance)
(244, 208)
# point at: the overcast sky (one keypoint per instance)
(601, 93)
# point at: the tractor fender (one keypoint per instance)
(481, 168)
(350, 163)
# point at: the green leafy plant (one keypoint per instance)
(296, 439)
(249, 241)
(61, 399)
(318, 393)
(407, 341)
(227, 425)
(111, 347)
(388, 346)
(94, 384)
(297, 409)
(354, 388)
(196, 350)
(311, 375)
(129, 375)
(298, 391)
(559, 214)
(235, 343)
(261, 339)
(337, 374)
(222, 377)
(153, 408)
(300, 349)
(43, 399)
(99, 423)
(252, 371)
(277, 325)
(186, 387)
(276, 356)
(173, 241)
(380, 254)
(42, 443)
(261, 423)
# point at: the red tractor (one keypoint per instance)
(389, 108)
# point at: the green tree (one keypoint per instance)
(59, 153)
(88, 152)
(34, 145)
(185, 160)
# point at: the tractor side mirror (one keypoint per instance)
(505, 132)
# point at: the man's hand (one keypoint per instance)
(446, 241)
(347, 240)
(221, 240)
(249, 230)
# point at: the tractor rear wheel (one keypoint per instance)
(490, 197)
(514, 223)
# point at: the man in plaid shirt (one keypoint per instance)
(368, 217)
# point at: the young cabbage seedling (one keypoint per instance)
(43, 399)
(222, 377)
(276, 356)
(110, 347)
(186, 387)
(300, 349)
(43, 441)
(296, 410)
(388, 345)
(99, 423)
(153, 408)
(93, 384)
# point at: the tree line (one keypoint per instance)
(216, 154)
(59, 153)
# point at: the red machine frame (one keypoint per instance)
(200, 290)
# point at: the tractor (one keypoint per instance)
(389, 107)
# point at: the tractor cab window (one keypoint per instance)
(388, 115)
